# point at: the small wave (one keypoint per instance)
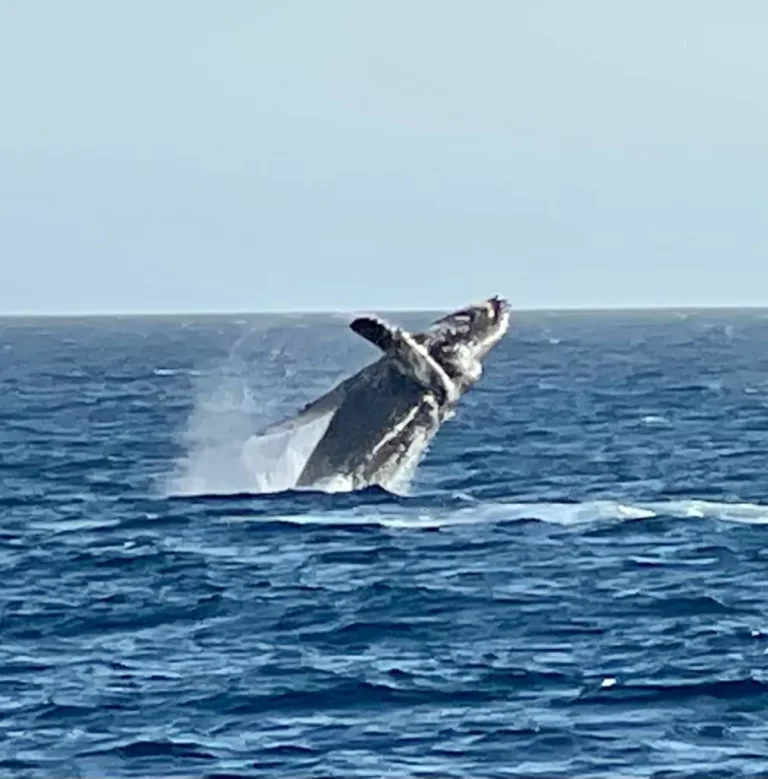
(15, 765)
(149, 749)
(659, 693)
(343, 694)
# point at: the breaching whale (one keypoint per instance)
(386, 414)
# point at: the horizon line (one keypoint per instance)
(385, 309)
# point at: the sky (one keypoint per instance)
(246, 155)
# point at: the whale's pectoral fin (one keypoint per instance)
(377, 331)
(413, 359)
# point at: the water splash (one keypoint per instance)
(224, 452)
(276, 461)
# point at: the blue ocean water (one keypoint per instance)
(573, 585)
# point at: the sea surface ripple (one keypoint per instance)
(573, 585)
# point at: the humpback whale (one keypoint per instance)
(384, 416)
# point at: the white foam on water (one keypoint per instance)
(334, 484)
(176, 372)
(591, 512)
(497, 512)
(744, 513)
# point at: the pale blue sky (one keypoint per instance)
(245, 155)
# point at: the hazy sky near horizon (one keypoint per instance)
(245, 155)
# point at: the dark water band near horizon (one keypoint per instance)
(573, 584)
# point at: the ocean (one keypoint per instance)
(571, 584)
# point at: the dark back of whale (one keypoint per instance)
(359, 440)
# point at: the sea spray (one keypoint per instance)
(224, 451)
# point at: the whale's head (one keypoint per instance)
(461, 340)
